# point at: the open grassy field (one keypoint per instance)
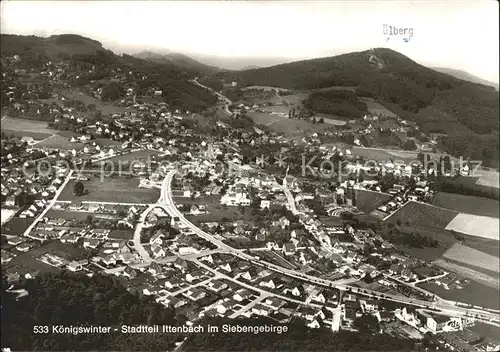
(121, 234)
(488, 178)
(142, 155)
(16, 226)
(475, 225)
(38, 136)
(295, 127)
(264, 118)
(112, 189)
(423, 215)
(26, 126)
(375, 108)
(472, 183)
(368, 201)
(446, 240)
(464, 254)
(58, 142)
(467, 204)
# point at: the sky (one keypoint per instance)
(461, 35)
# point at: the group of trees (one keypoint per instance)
(71, 299)
(413, 239)
(342, 103)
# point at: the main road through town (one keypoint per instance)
(166, 202)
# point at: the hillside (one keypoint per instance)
(89, 61)
(180, 60)
(466, 76)
(438, 102)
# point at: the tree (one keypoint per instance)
(89, 220)
(366, 323)
(409, 145)
(78, 188)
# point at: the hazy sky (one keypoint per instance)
(461, 35)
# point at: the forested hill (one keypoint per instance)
(70, 299)
(76, 300)
(439, 103)
(90, 62)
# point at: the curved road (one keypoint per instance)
(226, 100)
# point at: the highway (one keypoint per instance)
(166, 202)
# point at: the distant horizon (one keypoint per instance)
(268, 33)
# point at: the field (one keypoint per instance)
(446, 241)
(367, 201)
(26, 126)
(472, 182)
(38, 136)
(58, 142)
(143, 155)
(475, 225)
(295, 127)
(16, 226)
(375, 108)
(334, 122)
(423, 215)
(464, 254)
(467, 204)
(488, 178)
(121, 234)
(263, 118)
(112, 189)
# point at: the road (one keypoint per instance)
(250, 305)
(227, 102)
(137, 234)
(290, 199)
(47, 208)
(167, 203)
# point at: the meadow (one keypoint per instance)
(368, 201)
(467, 204)
(464, 254)
(263, 118)
(119, 189)
(26, 126)
(143, 155)
(375, 108)
(475, 225)
(415, 213)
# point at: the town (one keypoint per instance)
(228, 220)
